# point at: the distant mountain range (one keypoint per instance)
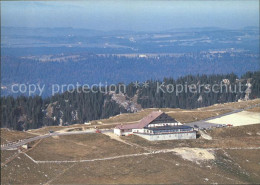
(67, 55)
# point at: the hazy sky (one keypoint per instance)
(131, 14)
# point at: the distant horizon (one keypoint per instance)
(171, 29)
(143, 15)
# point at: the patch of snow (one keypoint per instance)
(238, 119)
(194, 154)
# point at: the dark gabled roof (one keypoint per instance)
(148, 119)
(165, 118)
(144, 122)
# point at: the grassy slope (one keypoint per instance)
(75, 147)
(230, 166)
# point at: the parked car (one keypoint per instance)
(98, 131)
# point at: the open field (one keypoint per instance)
(249, 161)
(156, 169)
(238, 119)
(255, 109)
(128, 117)
(12, 136)
(80, 147)
(191, 116)
(235, 132)
(233, 105)
(6, 155)
(22, 170)
(45, 130)
(227, 167)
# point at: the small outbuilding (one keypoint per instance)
(25, 146)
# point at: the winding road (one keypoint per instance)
(12, 146)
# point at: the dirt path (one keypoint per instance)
(32, 147)
(192, 154)
(198, 110)
(10, 159)
(204, 135)
(115, 137)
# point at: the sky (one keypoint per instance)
(132, 15)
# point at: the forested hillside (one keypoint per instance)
(229, 92)
(24, 113)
